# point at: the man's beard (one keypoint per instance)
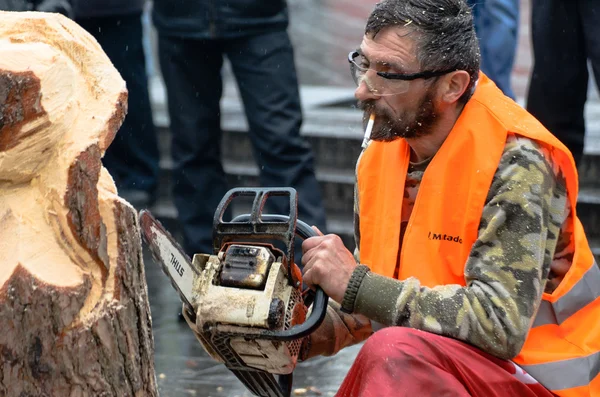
(408, 125)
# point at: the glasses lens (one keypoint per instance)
(378, 85)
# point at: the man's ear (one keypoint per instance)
(454, 86)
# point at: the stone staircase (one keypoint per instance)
(333, 127)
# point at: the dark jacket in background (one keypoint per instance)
(214, 19)
(106, 8)
(60, 6)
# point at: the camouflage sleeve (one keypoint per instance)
(506, 270)
(338, 330)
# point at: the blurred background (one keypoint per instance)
(322, 32)
(184, 142)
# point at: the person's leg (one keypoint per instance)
(476, 7)
(264, 69)
(558, 86)
(133, 156)
(192, 73)
(399, 361)
(497, 28)
(591, 30)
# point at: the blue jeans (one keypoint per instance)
(497, 24)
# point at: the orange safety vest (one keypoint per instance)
(562, 349)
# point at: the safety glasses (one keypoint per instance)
(384, 83)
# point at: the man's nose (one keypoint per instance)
(363, 92)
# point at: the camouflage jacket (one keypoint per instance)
(523, 248)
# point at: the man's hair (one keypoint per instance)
(446, 36)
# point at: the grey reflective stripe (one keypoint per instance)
(377, 326)
(583, 293)
(545, 315)
(566, 374)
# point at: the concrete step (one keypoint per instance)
(595, 246)
(333, 126)
(342, 224)
(340, 153)
(330, 152)
(337, 186)
(165, 211)
(588, 210)
(337, 147)
(589, 170)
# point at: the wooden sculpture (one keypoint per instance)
(74, 313)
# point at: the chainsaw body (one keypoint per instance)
(241, 291)
(245, 299)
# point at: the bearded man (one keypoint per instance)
(470, 254)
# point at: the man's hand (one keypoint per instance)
(328, 264)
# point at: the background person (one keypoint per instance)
(194, 38)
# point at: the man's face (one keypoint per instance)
(410, 114)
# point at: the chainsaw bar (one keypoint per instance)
(171, 257)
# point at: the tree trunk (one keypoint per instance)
(74, 313)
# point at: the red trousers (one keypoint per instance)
(399, 361)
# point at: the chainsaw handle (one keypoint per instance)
(319, 310)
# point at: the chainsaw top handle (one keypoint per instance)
(256, 227)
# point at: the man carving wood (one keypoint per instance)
(74, 314)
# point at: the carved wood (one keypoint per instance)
(74, 313)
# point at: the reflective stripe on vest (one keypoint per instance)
(582, 294)
(566, 374)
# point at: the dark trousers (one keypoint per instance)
(263, 66)
(565, 34)
(132, 158)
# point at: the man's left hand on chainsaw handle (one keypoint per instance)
(328, 264)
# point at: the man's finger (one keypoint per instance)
(316, 229)
(311, 243)
(307, 279)
(306, 256)
(311, 274)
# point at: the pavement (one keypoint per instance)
(323, 32)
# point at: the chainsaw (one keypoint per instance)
(246, 298)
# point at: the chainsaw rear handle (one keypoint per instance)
(319, 310)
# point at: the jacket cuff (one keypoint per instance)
(352, 289)
(377, 298)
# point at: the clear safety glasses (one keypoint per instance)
(384, 83)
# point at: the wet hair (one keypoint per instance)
(446, 36)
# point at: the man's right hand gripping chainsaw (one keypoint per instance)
(245, 301)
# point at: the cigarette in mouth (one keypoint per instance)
(368, 130)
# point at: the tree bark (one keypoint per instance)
(74, 313)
